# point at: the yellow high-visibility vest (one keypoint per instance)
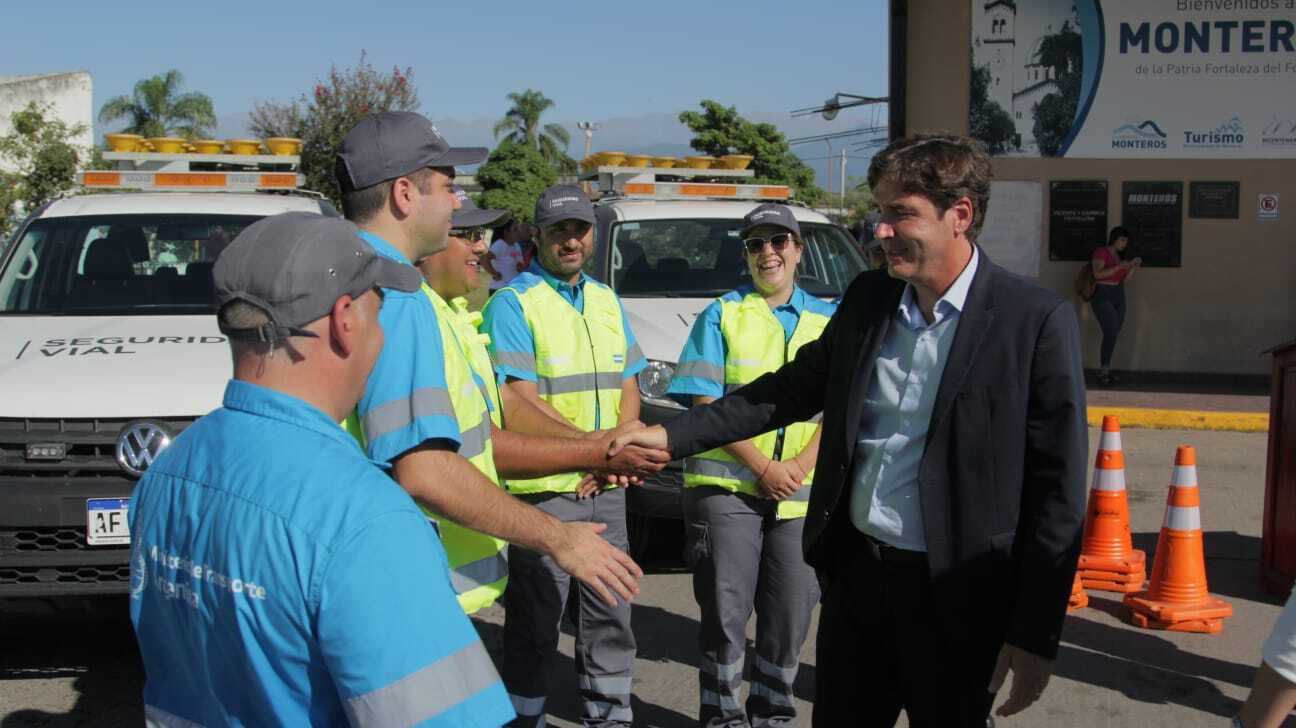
(478, 562)
(579, 360)
(757, 344)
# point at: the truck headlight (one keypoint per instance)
(655, 379)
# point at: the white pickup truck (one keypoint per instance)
(108, 348)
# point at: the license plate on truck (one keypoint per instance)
(106, 521)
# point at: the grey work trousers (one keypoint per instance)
(533, 608)
(743, 558)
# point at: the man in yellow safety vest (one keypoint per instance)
(561, 340)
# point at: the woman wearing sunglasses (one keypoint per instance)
(745, 502)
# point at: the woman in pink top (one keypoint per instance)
(1108, 301)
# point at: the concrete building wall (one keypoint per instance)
(69, 95)
(1235, 294)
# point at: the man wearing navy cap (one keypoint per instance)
(271, 561)
(562, 341)
(396, 173)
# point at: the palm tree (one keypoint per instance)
(156, 109)
(522, 125)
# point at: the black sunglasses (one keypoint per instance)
(777, 242)
(472, 235)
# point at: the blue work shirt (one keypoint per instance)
(512, 344)
(406, 401)
(700, 370)
(279, 577)
(885, 498)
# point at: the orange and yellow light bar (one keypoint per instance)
(193, 181)
(707, 189)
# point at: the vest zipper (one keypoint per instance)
(778, 439)
(598, 414)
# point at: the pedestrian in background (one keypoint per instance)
(504, 260)
(1108, 302)
(264, 541)
(745, 502)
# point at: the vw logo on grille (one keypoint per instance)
(139, 444)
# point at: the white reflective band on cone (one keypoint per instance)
(1108, 479)
(1184, 476)
(1178, 518)
(1109, 441)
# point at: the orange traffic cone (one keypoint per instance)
(1177, 598)
(1079, 598)
(1108, 559)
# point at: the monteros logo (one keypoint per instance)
(1278, 133)
(1228, 135)
(1144, 135)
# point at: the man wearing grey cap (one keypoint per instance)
(478, 562)
(396, 173)
(562, 341)
(263, 540)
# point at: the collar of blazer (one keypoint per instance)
(878, 315)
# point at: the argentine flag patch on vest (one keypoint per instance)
(618, 358)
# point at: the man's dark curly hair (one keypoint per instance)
(940, 167)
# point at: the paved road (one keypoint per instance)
(78, 666)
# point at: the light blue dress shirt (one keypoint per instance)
(885, 500)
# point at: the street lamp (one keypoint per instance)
(589, 128)
(835, 104)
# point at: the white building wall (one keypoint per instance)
(69, 95)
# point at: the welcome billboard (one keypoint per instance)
(1164, 79)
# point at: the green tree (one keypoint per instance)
(859, 201)
(987, 120)
(333, 107)
(156, 108)
(513, 178)
(521, 125)
(719, 130)
(1063, 54)
(43, 161)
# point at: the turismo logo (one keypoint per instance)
(1228, 135)
(1144, 135)
(1278, 133)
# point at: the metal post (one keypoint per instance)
(843, 182)
(828, 175)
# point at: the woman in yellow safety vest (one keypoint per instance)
(745, 502)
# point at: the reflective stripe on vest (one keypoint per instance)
(478, 562)
(757, 344)
(579, 360)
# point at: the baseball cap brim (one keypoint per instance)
(746, 230)
(478, 218)
(461, 156)
(386, 273)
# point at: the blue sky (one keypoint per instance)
(596, 60)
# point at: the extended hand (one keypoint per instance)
(603, 567)
(593, 483)
(780, 481)
(1031, 675)
(636, 460)
(650, 437)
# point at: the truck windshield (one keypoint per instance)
(116, 264)
(704, 258)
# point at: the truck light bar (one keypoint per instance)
(192, 181)
(706, 189)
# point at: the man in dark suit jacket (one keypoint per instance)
(947, 505)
